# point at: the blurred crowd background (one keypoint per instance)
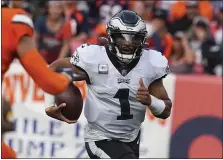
(188, 33)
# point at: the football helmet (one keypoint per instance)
(126, 35)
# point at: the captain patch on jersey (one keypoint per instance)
(102, 69)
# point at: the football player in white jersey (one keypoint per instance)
(123, 80)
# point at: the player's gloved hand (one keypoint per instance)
(55, 112)
(143, 95)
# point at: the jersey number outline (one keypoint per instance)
(123, 96)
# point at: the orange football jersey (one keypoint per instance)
(15, 24)
(7, 152)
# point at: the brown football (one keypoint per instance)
(74, 102)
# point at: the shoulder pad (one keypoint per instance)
(157, 59)
(158, 62)
(86, 53)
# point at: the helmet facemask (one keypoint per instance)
(127, 45)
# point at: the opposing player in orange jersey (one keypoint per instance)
(17, 42)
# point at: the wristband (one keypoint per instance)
(157, 105)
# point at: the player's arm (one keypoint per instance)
(156, 98)
(79, 74)
(34, 64)
(160, 102)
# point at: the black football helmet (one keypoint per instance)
(126, 35)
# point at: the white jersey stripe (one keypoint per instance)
(22, 18)
(97, 151)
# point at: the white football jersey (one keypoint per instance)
(111, 108)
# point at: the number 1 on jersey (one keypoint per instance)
(123, 96)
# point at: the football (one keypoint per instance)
(74, 102)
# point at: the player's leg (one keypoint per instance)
(109, 149)
(134, 145)
(91, 150)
